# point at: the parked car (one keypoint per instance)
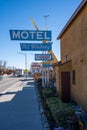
(1, 77)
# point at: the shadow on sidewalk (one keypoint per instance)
(19, 110)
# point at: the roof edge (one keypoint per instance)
(72, 18)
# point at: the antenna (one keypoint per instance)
(46, 16)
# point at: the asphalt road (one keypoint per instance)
(8, 81)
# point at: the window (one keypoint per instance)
(73, 77)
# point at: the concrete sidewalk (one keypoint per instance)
(19, 108)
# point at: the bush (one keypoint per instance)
(60, 111)
(39, 85)
(47, 92)
(39, 81)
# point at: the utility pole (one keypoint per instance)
(25, 58)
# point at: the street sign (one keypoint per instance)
(36, 46)
(30, 35)
(43, 57)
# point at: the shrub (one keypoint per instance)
(39, 85)
(60, 111)
(47, 92)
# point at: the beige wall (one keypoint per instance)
(56, 71)
(74, 45)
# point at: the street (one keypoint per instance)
(8, 81)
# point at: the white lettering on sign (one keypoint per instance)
(24, 35)
(45, 36)
(36, 47)
(30, 35)
(16, 35)
(40, 35)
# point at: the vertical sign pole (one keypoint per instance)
(45, 77)
(25, 61)
(42, 76)
(46, 69)
(26, 65)
(48, 75)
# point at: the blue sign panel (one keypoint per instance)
(36, 46)
(46, 65)
(30, 35)
(43, 57)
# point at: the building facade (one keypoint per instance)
(72, 82)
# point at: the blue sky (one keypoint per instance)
(15, 15)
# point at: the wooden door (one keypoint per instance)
(65, 85)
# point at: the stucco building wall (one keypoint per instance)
(74, 47)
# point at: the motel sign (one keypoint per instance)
(30, 35)
(36, 46)
(43, 57)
